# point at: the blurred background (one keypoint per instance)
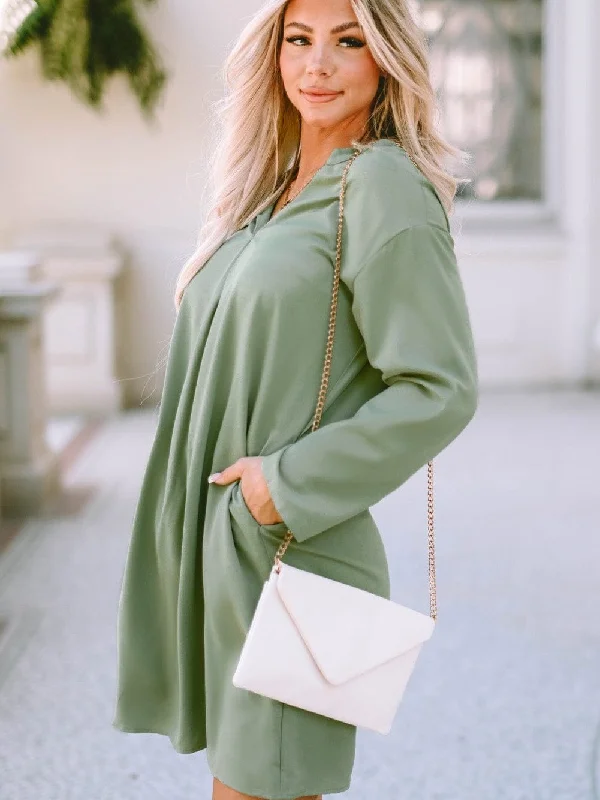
(104, 134)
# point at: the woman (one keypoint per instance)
(309, 84)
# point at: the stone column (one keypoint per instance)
(29, 473)
(79, 327)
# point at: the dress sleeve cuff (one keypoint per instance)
(294, 515)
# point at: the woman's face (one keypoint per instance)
(327, 69)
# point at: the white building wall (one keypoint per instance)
(60, 160)
(533, 285)
(533, 294)
(595, 197)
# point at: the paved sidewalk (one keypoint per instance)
(504, 703)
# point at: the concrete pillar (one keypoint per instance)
(29, 473)
(79, 326)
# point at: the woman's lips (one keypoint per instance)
(320, 97)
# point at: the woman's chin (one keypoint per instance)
(321, 116)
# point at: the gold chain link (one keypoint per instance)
(431, 543)
(321, 403)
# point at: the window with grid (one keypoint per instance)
(486, 60)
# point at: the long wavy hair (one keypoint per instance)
(259, 128)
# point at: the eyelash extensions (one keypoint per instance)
(351, 40)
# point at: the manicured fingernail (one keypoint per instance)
(212, 478)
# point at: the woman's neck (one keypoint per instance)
(315, 148)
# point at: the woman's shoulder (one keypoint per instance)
(389, 190)
(386, 194)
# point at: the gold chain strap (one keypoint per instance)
(321, 402)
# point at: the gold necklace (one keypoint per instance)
(289, 199)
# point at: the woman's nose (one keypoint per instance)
(319, 62)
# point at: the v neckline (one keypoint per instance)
(338, 155)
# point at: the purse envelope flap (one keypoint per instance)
(348, 630)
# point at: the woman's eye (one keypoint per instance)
(346, 41)
(296, 39)
(352, 42)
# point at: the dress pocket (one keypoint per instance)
(238, 507)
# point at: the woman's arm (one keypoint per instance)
(409, 304)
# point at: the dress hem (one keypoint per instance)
(286, 796)
(183, 750)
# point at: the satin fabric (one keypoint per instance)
(244, 368)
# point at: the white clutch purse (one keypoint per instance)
(323, 645)
(330, 648)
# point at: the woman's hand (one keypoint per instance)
(253, 487)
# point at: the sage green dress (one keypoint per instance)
(242, 378)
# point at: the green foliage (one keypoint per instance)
(84, 42)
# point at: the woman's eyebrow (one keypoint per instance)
(338, 28)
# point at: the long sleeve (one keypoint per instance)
(409, 305)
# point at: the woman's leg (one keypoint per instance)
(223, 792)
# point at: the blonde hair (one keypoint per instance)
(260, 128)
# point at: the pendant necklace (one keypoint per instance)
(289, 199)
